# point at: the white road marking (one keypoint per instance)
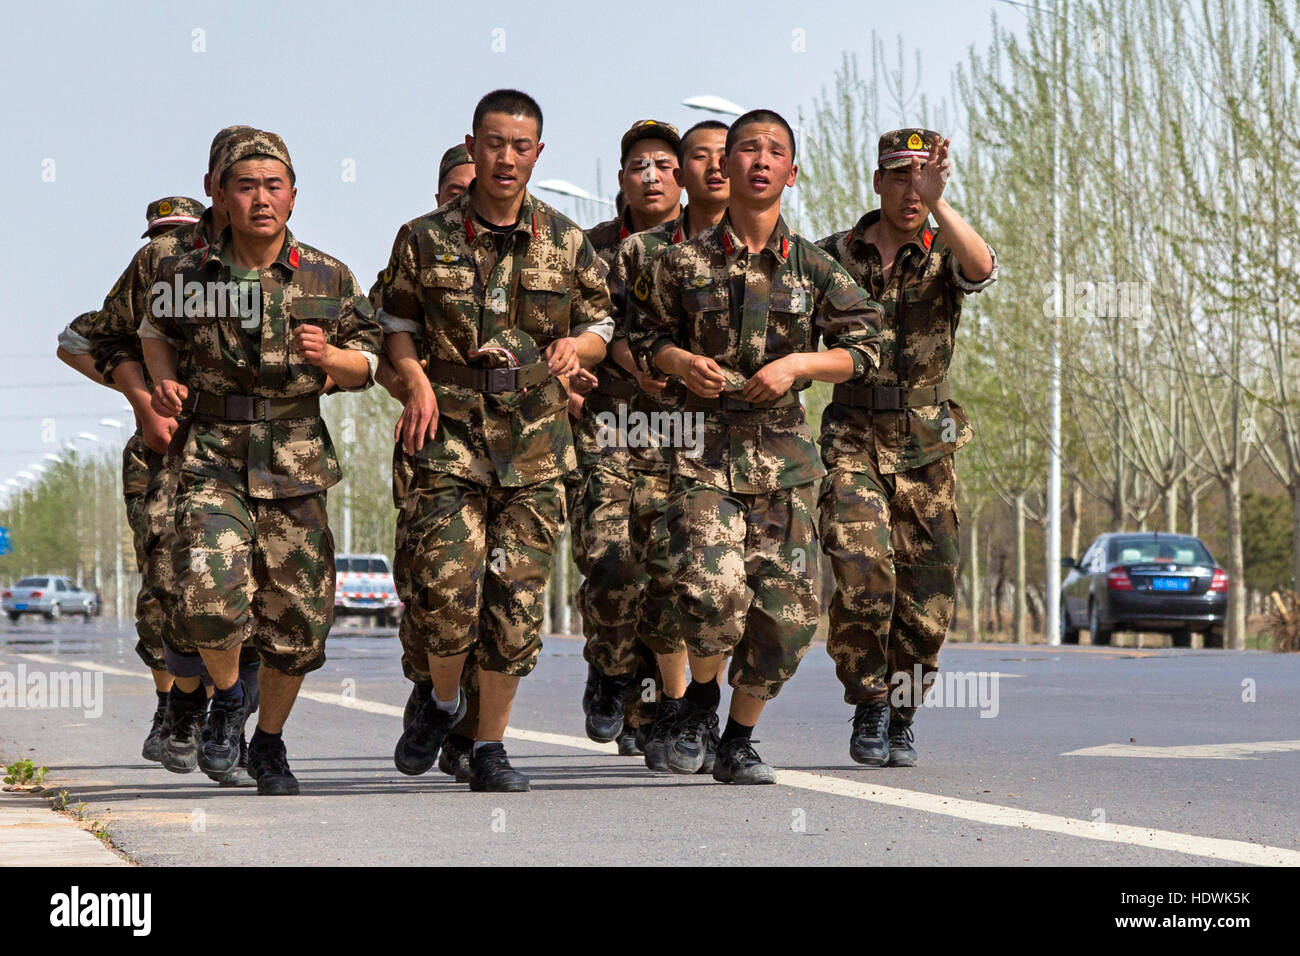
(1243, 751)
(1234, 851)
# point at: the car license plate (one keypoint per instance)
(20, 607)
(1171, 584)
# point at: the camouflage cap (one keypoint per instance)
(456, 156)
(648, 129)
(171, 211)
(511, 348)
(220, 140)
(898, 147)
(246, 144)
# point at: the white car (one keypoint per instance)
(49, 596)
(364, 586)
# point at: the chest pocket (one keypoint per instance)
(447, 285)
(544, 305)
(213, 344)
(706, 307)
(788, 325)
(321, 311)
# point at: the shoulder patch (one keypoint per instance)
(641, 288)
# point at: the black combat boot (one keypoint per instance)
(419, 694)
(182, 726)
(490, 771)
(153, 743)
(694, 732)
(238, 775)
(901, 751)
(869, 743)
(418, 746)
(219, 744)
(605, 714)
(739, 762)
(453, 760)
(268, 764)
(663, 732)
(629, 742)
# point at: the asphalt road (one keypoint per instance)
(1000, 790)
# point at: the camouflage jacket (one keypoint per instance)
(922, 304)
(454, 284)
(219, 353)
(114, 337)
(708, 295)
(75, 337)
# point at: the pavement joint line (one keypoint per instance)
(975, 811)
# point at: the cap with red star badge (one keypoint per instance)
(170, 212)
(899, 147)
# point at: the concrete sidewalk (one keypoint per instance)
(32, 834)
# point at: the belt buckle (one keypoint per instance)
(887, 398)
(500, 380)
(240, 408)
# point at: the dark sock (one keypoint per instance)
(704, 694)
(197, 695)
(162, 697)
(262, 739)
(249, 676)
(736, 731)
(461, 741)
(232, 696)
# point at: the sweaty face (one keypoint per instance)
(505, 150)
(900, 204)
(647, 178)
(457, 181)
(257, 196)
(702, 170)
(761, 164)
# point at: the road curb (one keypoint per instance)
(32, 834)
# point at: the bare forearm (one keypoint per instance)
(622, 355)
(347, 367)
(673, 360)
(83, 363)
(833, 365)
(590, 348)
(971, 251)
(387, 378)
(158, 356)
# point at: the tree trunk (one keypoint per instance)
(973, 566)
(1018, 621)
(1076, 518)
(1295, 536)
(1171, 508)
(1236, 623)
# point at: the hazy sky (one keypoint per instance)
(116, 103)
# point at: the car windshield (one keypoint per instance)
(377, 566)
(32, 583)
(1145, 550)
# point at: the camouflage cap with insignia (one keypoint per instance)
(456, 156)
(220, 140)
(511, 348)
(170, 212)
(245, 144)
(648, 129)
(898, 147)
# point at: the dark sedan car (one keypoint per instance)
(1144, 581)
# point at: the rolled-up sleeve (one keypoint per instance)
(964, 284)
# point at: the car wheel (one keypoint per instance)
(1069, 635)
(1100, 635)
(54, 613)
(14, 616)
(1182, 638)
(1214, 639)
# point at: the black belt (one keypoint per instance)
(725, 403)
(616, 388)
(891, 398)
(251, 408)
(489, 380)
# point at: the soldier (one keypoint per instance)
(505, 296)
(244, 355)
(118, 357)
(700, 156)
(455, 173)
(600, 497)
(138, 463)
(737, 313)
(889, 499)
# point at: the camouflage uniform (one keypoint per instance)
(113, 339)
(889, 500)
(481, 505)
(254, 554)
(741, 513)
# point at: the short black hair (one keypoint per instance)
(760, 116)
(510, 102)
(701, 125)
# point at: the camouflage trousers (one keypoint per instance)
(252, 568)
(746, 578)
(474, 561)
(139, 466)
(893, 545)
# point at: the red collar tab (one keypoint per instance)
(785, 247)
(679, 235)
(623, 233)
(927, 237)
(294, 258)
(534, 225)
(469, 228)
(727, 247)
